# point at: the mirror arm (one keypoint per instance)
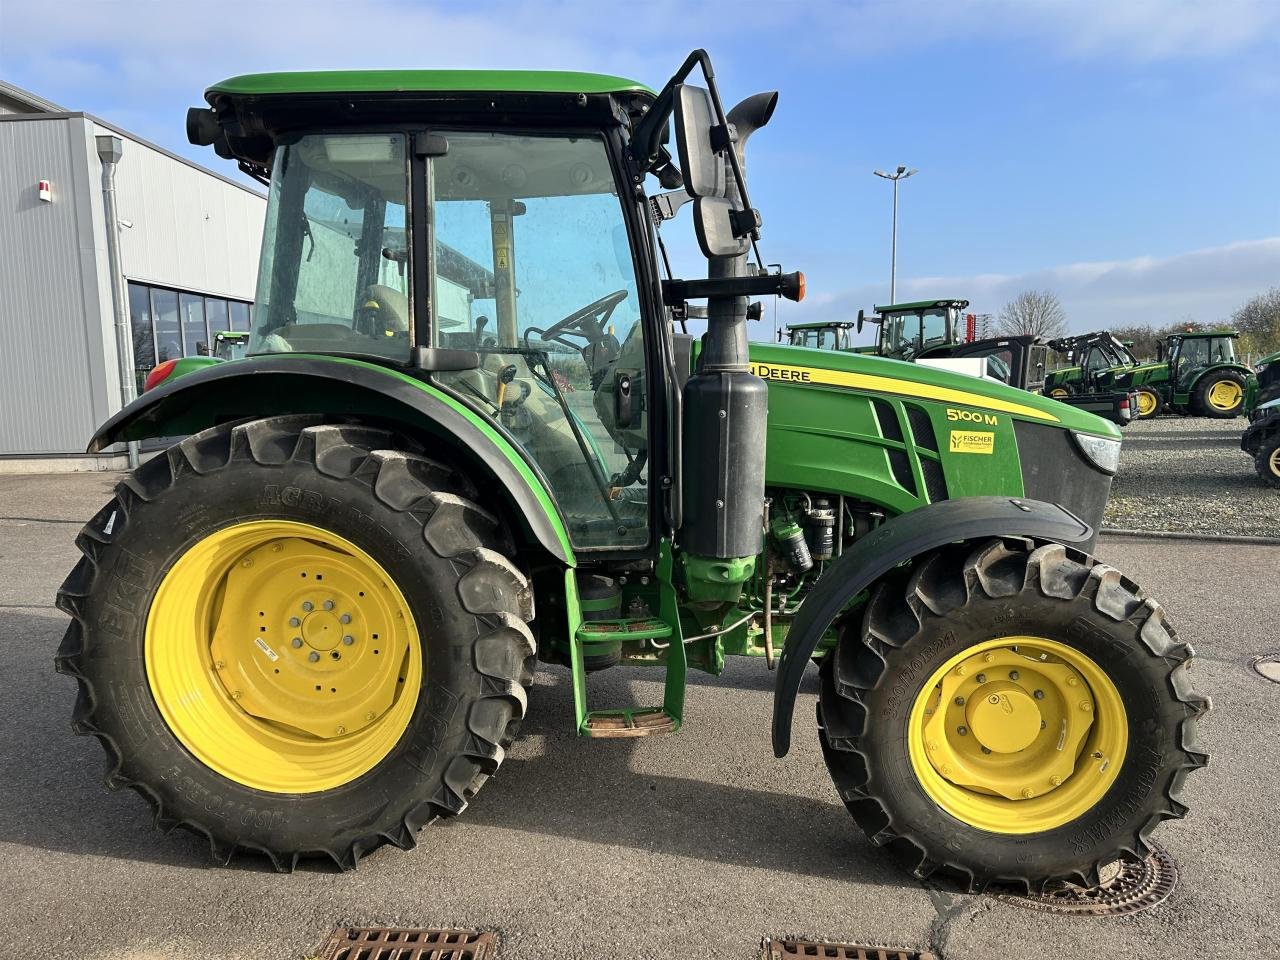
(664, 206)
(789, 285)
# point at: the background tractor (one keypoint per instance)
(467, 438)
(929, 332)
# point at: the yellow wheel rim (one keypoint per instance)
(1274, 462)
(283, 656)
(1225, 395)
(1018, 735)
(1146, 403)
(1058, 393)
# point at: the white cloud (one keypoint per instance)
(1206, 285)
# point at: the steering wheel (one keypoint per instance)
(589, 322)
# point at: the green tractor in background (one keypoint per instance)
(929, 332)
(1196, 374)
(229, 345)
(1261, 439)
(310, 627)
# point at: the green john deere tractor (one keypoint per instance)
(1196, 374)
(310, 627)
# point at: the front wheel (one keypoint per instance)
(297, 638)
(1266, 460)
(1149, 402)
(1013, 713)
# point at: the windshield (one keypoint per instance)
(907, 334)
(333, 276)
(533, 269)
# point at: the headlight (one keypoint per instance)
(1102, 452)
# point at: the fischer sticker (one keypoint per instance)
(972, 441)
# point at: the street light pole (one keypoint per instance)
(900, 174)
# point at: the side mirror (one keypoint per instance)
(713, 223)
(700, 163)
(862, 318)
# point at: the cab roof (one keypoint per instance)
(821, 325)
(921, 305)
(424, 81)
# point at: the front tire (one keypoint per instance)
(935, 715)
(1149, 402)
(1266, 459)
(297, 638)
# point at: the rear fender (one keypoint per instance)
(346, 389)
(893, 543)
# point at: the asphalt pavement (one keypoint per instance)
(696, 844)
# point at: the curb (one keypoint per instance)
(1183, 535)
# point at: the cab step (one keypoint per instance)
(629, 723)
(627, 628)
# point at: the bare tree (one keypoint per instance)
(1259, 322)
(1034, 312)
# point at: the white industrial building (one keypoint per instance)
(187, 259)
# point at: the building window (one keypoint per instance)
(168, 324)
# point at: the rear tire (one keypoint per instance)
(1266, 459)
(416, 523)
(1220, 395)
(962, 598)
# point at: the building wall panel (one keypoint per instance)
(50, 367)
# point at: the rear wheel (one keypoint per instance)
(1267, 460)
(1220, 395)
(1012, 713)
(297, 639)
(1149, 402)
(1059, 392)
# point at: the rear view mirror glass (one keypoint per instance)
(702, 167)
(713, 223)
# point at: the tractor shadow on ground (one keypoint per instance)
(600, 791)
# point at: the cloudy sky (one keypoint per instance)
(1123, 153)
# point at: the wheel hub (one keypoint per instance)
(304, 638)
(1146, 403)
(1225, 394)
(1008, 735)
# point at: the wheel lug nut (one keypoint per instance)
(370, 715)
(1043, 725)
(220, 664)
(933, 745)
(313, 656)
(277, 547)
(1055, 780)
(994, 698)
(962, 730)
(1085, 705)
(295, 622)
(247, 563)
(981, 678)
(1027, 793)
(1071, 681)
(1013, 674)
(986, 749)
(329, 604)
(348, 640)
(297, 642)
(345, 618)
(988, 657)
(1039, 694)
(341, 731)
(307, 606)
(961, 671)
(236, 694)
(959, 701)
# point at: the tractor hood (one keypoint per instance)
(831, 370)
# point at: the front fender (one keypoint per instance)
(895, 542)
(291, 383)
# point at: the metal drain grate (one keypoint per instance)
(1267, 667)
(1131, 886)
(405, 943)
(791, 947)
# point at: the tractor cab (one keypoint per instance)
(230, 345)
(821, 335)
(1188, 353)
(909, 331)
